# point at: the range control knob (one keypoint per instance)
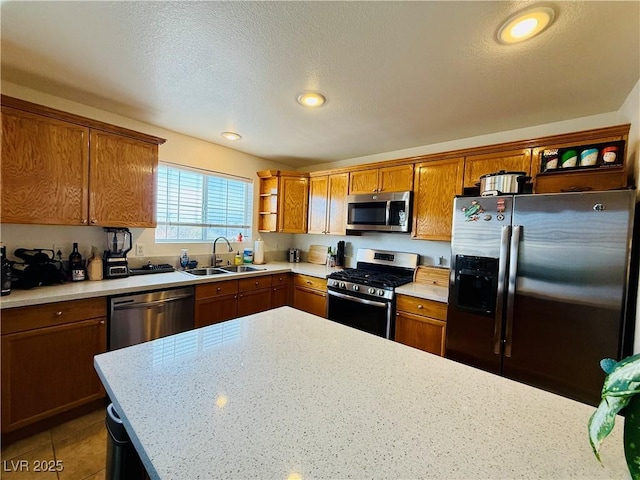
(342, 285)
(381, 293)
(334, 283)
(372, 291)
(356, 288)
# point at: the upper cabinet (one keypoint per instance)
(436, 185)
(283, 201)
(476, 166)
(384, 179)
(327, 204)
(62, 169)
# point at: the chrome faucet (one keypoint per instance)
(215, 260)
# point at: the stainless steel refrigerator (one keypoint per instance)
(543, 287)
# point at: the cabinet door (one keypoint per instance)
(123, 181)
(513, 161)
(49, 370)
(45, 170)
(310, 300)
(420, 332)
(215, 310)
(363, 181)
(436, 185)
(254, 301)
(292, 204)
(318, 195)
(337, 215)
(280, 296)
(396, 179)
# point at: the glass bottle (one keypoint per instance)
(76, 266)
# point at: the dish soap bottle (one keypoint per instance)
(237, 260)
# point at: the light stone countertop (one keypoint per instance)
(422, 290)
(284, 394)
(139, 283)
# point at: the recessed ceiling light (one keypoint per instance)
(525, 25)
(311, 99)
(231, 135)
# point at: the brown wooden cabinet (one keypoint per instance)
(583, 179)
(280, 290)
(327, 204)
(62, 169)
(310, 294)
(436, 185)
(284, 198)
(421, 323)
(254, 295)
(397, 178)
(215, 302)
(511, 161)
(47, 359)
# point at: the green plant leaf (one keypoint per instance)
(621, 383)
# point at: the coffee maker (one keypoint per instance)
(115, 263)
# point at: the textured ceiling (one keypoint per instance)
(397, 74)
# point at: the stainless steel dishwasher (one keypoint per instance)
(142, 317)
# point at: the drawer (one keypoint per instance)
(216, 289)
(280, 279)
(50, 314)
(254, 283)
(310, 282)
(420, 306)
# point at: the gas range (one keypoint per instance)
(364, 297)
(377, 274)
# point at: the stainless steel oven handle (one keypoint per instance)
(502, 275)
(358, 299)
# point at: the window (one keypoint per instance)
(198, 206)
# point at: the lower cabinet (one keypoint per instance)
(220, 301)
(47, 359)
(280, 290)
(310, 294)
(421, 323)
(215, 302)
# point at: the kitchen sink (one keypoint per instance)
(240, 268)
(205, 271)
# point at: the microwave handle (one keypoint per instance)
(388, 213)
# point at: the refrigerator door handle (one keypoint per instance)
(511, 287)
(502, 274)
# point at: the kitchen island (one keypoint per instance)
(285, 394)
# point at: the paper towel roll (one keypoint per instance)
(258, 252)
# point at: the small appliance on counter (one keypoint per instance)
(340, 254)
(115, 257)
(152, 268)
(294, 255)
(38, 268)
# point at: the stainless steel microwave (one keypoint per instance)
(380, 212)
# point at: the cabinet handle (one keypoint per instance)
(240, 296)
(58, 314)
(257, 283)
(83, 221)
(235, 296)
(94, 221)
(420, 307)
(309, 282)
(101, 322)
(218, 289)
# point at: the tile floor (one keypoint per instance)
(80, 445)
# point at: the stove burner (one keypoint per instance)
(371, 278)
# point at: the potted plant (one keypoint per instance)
(621, 385)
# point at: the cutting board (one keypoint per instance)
(318, 254)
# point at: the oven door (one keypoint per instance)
(371, 316)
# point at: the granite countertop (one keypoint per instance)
(285, 394)
(423, 290)
(137, 283)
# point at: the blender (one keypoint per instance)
(115, 263)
